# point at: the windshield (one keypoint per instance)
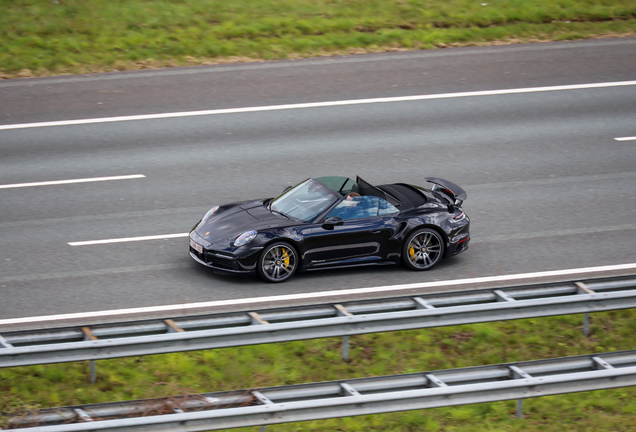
(303, 202)
(342, 185)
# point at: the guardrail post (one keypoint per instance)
(4, 343)
(342, 311)
(88, 335)
(265, 401)
(420, 303)
(172, 327)
(256, 319)
(517, 373)
(502, 296)
(432, 381)
(345, 348)
(601, 364)
(93, 372)
(583, 289)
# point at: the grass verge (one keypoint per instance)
(48, 37)
(371, 355)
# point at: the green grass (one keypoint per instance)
(45, 37)
(371, 355)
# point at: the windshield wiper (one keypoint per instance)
(280, 213)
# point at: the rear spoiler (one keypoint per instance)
(454, 191)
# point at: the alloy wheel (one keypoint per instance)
(424, 249)
(278, 263)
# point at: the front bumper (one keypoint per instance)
(224, 260)
(219, 263)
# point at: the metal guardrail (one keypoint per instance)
(362, 396)
(312, 322)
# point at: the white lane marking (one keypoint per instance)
(626, 139)
(318, 104)
(128, 239)
(84, 180)
(314, 295)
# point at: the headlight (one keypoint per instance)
(244, 238)
(210, 213)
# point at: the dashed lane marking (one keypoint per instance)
(128, 239)
(61, 182)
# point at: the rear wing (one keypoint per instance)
(457, 194)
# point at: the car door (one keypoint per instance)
(359, 237)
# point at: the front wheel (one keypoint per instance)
(422, 249)
(278, 262)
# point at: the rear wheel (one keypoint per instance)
(422, 249)
(278, 262)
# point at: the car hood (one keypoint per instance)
(232, 221)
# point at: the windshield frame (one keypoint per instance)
(328, 193)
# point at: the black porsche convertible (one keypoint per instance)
(330, 222)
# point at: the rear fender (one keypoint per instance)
(434, 228)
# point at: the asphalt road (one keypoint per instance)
(548, 185)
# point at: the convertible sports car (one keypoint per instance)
(332, 222)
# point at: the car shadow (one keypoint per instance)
(333, 279)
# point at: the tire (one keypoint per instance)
(278, 262)
(422, 249)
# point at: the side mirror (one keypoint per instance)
(332, 222)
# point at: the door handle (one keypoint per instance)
(376, 232)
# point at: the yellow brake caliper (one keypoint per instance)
(412, 252)
(286, 258)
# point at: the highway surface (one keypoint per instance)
(549, 185)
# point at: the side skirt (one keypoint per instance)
(348, 264)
